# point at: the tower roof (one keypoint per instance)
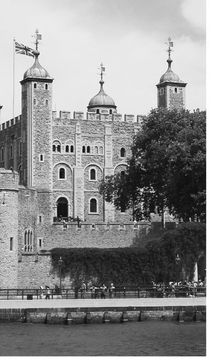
(101, 99)
(36, 70)
(169, 76)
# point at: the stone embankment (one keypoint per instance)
(72, 312)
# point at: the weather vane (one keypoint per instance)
(170, 46)
(102, 70)
(37, 37)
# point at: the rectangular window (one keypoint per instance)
(11, 243)
(40, 219)
(41, 158)
(40, 242)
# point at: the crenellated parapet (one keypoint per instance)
(92, 116)
(10, 123)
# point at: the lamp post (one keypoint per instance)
(60, 263)
(177, 261)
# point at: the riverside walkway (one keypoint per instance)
(103, 303)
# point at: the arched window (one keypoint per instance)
(71, 149)
(96, 150)
(62, 207)
(92, 174)
(35, 85)
(101, 150)
(83, 149)
(56, 146)
(88, 149)
(28, 241)
(46, 86)
(46, 102)
(110, 111)
(122, 152)
(67, 149)
(122, 173)
(61, 173)
(93, 205)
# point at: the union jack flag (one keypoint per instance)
(22, 49)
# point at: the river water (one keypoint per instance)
(150, 338)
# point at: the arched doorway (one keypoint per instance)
(62, 207)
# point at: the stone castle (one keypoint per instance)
(50, 170)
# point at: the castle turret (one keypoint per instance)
(102, 103)
(171, 90)
(37, 127)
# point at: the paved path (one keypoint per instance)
(98, 303)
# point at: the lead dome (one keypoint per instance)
(169, 75)
(36, 70)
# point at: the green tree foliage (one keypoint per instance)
(153, 260)
(167, 167)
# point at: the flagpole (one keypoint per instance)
(13, 100)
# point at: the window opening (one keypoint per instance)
(62, 207)
(11, 243)
(93, 174)
(93, 205)
(61, 173)
(122, 152)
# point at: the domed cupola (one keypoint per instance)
(171, 90)
(36, 70)
(102, 103)
(169, 75)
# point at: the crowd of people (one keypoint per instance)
(98, 292)
(171, 289)
(183, 288)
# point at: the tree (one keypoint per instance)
(167, 167)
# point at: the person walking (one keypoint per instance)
(111, 290)
(47, 293)
(41, 291)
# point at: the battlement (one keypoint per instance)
(115, 117)
(10, 123)
(66, 115)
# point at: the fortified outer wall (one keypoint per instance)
(8, 228)
(35, 269)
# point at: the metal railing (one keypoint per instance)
(118, 292)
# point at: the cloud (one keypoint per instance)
(195, 12)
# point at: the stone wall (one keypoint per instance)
(8, 228)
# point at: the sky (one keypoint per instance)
(128, 36)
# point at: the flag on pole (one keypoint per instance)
(22, 49)
(171, 43)
(39, 36)
(102, 68)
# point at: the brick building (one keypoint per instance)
(50, 169)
